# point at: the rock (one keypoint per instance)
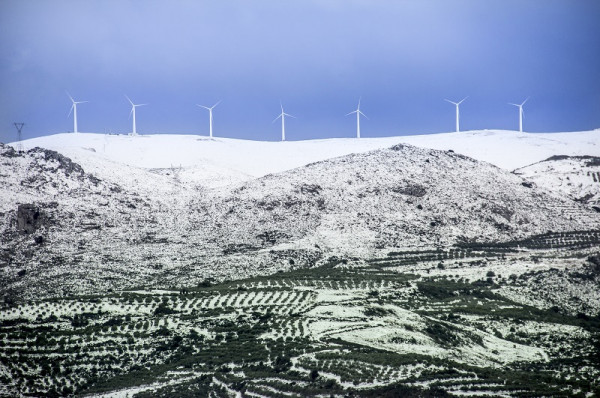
(64, 163)
(29, 218)
(8, 152)
(415, 190)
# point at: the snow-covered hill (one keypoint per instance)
(220, 161)
(577, 177)
(68, 230)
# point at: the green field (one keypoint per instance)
(418, 323)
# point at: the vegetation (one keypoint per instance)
(363, 330)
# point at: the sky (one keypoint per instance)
(401, 58)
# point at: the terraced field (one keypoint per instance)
(449, 321)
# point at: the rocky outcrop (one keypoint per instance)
(29, 218)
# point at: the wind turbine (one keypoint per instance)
(521, 113)
(282, 116)
(133, 106)
(457, 112)
(358, 113)
(74, 110)
(210, 114)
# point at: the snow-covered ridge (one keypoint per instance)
(206, 160)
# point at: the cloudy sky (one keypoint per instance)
(318, 57)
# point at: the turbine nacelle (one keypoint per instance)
(282, 114)
(457, 103)
(209, 108)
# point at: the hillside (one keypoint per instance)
(576, 177)
(395, 271)
(67, 231)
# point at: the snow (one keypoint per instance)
(575, 177)
(165, 221)
(218, 161)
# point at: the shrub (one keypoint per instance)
(282, 364)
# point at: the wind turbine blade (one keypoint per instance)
(359, 98)
(81, 102)
(274, 120)
(69, 95)
(218, 102)
(348, 114)
(129, 100)
(140, 104)
(510, 103)
(463, 100)
(202, 106)
(363, 114)
(523, 103)
(450, 101)
(287, 114)
(71, 110)
(130, 112)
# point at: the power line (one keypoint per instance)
(19, 127)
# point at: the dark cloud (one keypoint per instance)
(318, 57)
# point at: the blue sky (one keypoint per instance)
(318, 57)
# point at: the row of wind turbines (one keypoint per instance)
(282, 115)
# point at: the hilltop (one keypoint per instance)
(220, 161)
(89, 233)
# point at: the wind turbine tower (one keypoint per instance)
(521, 113)
(282, 116)
(457, 112)
(74, 110)
(358, 113)
(210, 118)
(133, 106)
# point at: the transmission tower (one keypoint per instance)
(19, 127)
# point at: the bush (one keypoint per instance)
(282, 364)
(314, 374)
(163, 309)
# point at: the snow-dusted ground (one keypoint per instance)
(210, 161)
(576, 177)
(102, 221)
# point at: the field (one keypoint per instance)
(434, 322)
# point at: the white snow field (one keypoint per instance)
(218, 161)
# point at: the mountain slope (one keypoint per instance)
(399, 197)
(577, 177)
(65, 231)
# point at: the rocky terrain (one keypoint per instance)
(66, 231)
(400, 271)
